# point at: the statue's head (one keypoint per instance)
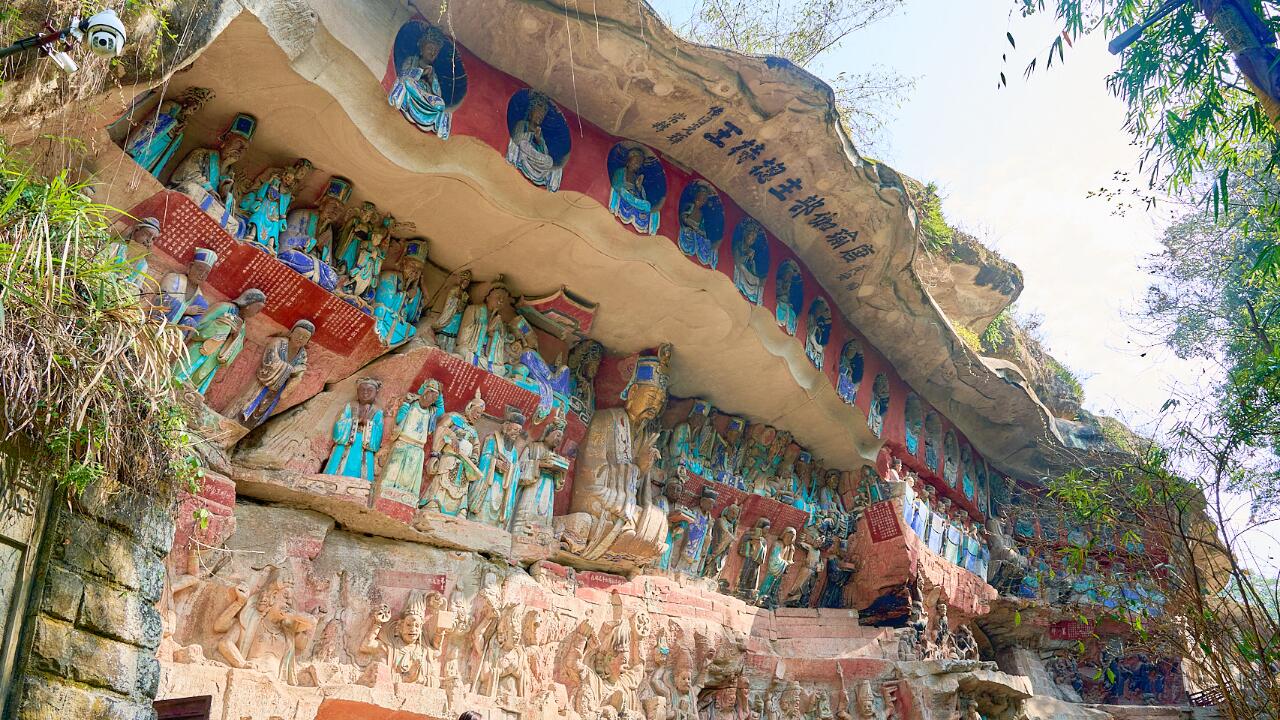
(329, 209)
(429, 392)
(732, 512)
(684, 678)
(145, 231)
(233, 148)
(512, 425)
(430, 44)
(707, 500)
(498, 298)
(464, 279)
(701, 193)
(537, 108)
(674, 487)
(635, 159)
(301, 333)
(251, 302)
(866, 701)
(367, 390)
(554, 433)
(789, 536)
(277, 594)
(411, 270)
(297, 173)
(699, 413)
(201, 264)
(733, 431)
(412, 619)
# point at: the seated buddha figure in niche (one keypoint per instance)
(630, 197)
(416, 93)
(699, 229)
(529, 150)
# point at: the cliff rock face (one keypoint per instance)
(971, 283)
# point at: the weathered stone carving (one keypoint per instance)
(265, 634)
(491, 496)
(723, 535)
(283, 362)
(455, 454)
(754, 549)
(483, 334)
(217, 339)
(401, 478)
(542, 475)
(153, 143)
(357, 434)
(780, 558)
(181, 298)
(206, 175)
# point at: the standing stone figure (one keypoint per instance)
(357, 434)
(541, 477)
(483, 336)
(754, 548)
(812, 544)
(491, 496)
(398, 297)
(415, 422)
(266, 206)
(722, 536)
(153, 143)
(839, 573)
(218, 338)
(283, 363)
(780, 559)
(412, 657)
(455, 452)
(448, 320)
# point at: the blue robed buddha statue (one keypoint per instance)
(416, 93)
(528, 149)
(695, 235)
(628, 199)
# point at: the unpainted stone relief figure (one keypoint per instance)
(754, 549)
(723, 535)
(410, 648)
(261, 630)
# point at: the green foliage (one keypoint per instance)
(970, 338)
(1064, 375)
(85, 371)
(999, 332)
(937, 233)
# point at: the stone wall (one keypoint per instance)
(90, 643)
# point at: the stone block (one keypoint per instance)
(88, 546)
(144, 516)
(119, 614)
(62, 593)
(103, 663)
(47, 699)
(51, 647)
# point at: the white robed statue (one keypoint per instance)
(416, 93)
(528, 149)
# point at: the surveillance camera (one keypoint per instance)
(105, 33)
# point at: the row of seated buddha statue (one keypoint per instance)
(946, 529)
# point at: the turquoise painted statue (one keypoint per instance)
(542, 475)
(628, 199)
(781, 556)
(207, 176)
(416, 93)
(750, 260)
(398, 298)
(693, 442)
(694, 239)
(455, 454)
(790, 296)
(266, 207)
(528, 149)
(484, 333)
(153, 143)
(216, 341)
(491, 498)
(416, 420)
(354, 232)
(357, 434)
(284, 362)
(365, 270)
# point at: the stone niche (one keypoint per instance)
(293, 617)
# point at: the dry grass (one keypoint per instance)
(85, 373)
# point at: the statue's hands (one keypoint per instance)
(239, 593)
(382, 614)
